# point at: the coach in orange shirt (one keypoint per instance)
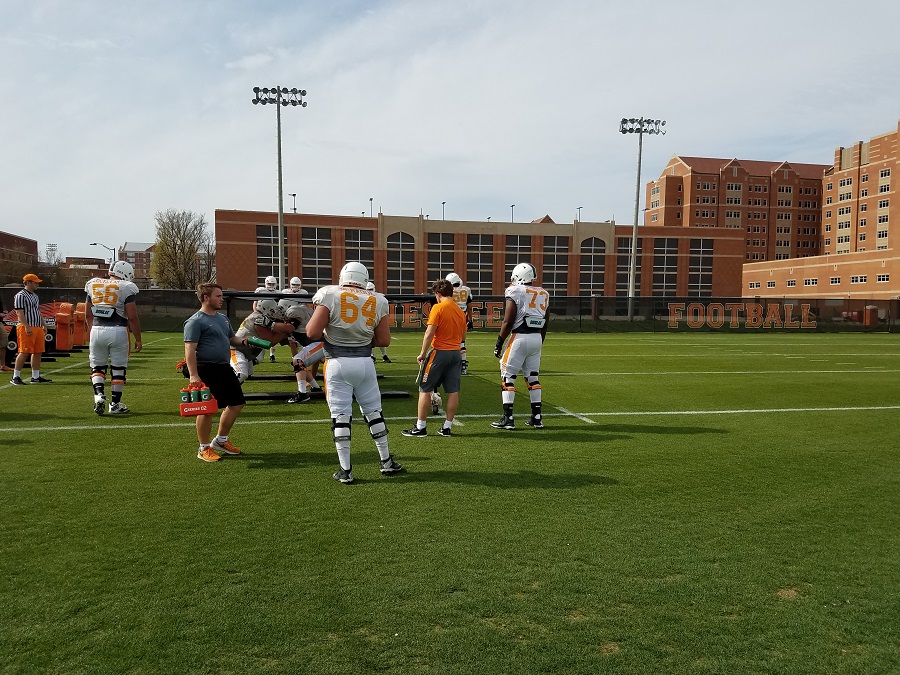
(441, 364)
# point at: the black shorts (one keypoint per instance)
(442, 368)
(222, 382)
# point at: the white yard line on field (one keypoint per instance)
(189, 424)
(575, 414)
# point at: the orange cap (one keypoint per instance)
(31, 277)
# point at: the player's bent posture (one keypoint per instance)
(271, 286)
(350, 320)
(264, 323)
(110, 314)
(462, 296)
(525, 322)
(305, 363)
(208, 337)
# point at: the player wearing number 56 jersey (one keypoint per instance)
(111, 313)
(351, 320)
(525, 323)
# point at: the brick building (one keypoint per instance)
(18, 257)
(406, 253)
(140, 255)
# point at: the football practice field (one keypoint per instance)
(697, 503)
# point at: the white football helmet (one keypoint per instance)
(523, 274)
(436, 401)
(296, 285)
(271, 283)
(354, 274)
(454, 279)
(268, 308)
(122, 270)
(370, 286)
(296, 311)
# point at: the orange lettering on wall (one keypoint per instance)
(715, 314)
(788, 321)
(494, 311)
(676, 310)
(773, 316)
(695, 315)
(412, 315)
(734, 310)
(754, 314)
(807, 318)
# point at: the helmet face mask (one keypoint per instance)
(454, 279)
(271, 283)
(354, 274)
(523, 274)
(268, 308)
(122, 270)
(296, 284)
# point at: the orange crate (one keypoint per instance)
(194, 408)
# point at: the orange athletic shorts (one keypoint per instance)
(30, 344)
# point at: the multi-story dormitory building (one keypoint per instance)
(406, 254)
(811, 230)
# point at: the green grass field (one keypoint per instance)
(703, 503)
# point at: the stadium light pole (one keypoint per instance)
(640, 127)
(442, 209)
(111, 250)
(512, 213)
(578, 208)
(279, 96)
(293, 195)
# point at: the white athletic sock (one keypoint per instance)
(421, 424)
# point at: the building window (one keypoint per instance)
(518, 249)
(267, 252)
(834, 281)
(665, 266)
(315, 249)
(810, 282)
(360, 245)
(592, 268)
(754, 284)
(479, 263)
(882, 278)
(884, 203)
(623, 260)
(770, 284)
(556, 265)
(440, 255)
(700, 266)
(791, 283)
(401, 263)
(884, 173)
(858, 279)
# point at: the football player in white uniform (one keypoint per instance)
(295, 287)
(270, 286)
(110, 313)
(462, 296)
(306, 362)
(525, 321)
(265, 323)
(351, 320)
(384, 357)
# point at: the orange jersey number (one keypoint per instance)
(539, 299)
(104, 294)
(350, 311)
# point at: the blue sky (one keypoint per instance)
(113, 111)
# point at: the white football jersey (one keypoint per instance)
(108, 296)
(531, 307)
(250, 328)
(353, 314)
(462, 296)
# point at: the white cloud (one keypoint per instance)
(113, 112)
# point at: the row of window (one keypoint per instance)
(834, 281)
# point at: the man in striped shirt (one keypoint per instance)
(29, 331)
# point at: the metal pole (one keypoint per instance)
(280, 196)
(632, 263)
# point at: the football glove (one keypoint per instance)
(498, 348)
(469, 324)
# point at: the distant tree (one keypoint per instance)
(183, 241)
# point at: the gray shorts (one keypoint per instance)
(442, 369)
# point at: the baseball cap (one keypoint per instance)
(31, 277)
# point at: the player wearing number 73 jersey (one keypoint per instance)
(525, 322)
(351, 320)
(111, 313)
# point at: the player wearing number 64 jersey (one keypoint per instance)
(351, 320)
(525, 323)
(111, 313)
